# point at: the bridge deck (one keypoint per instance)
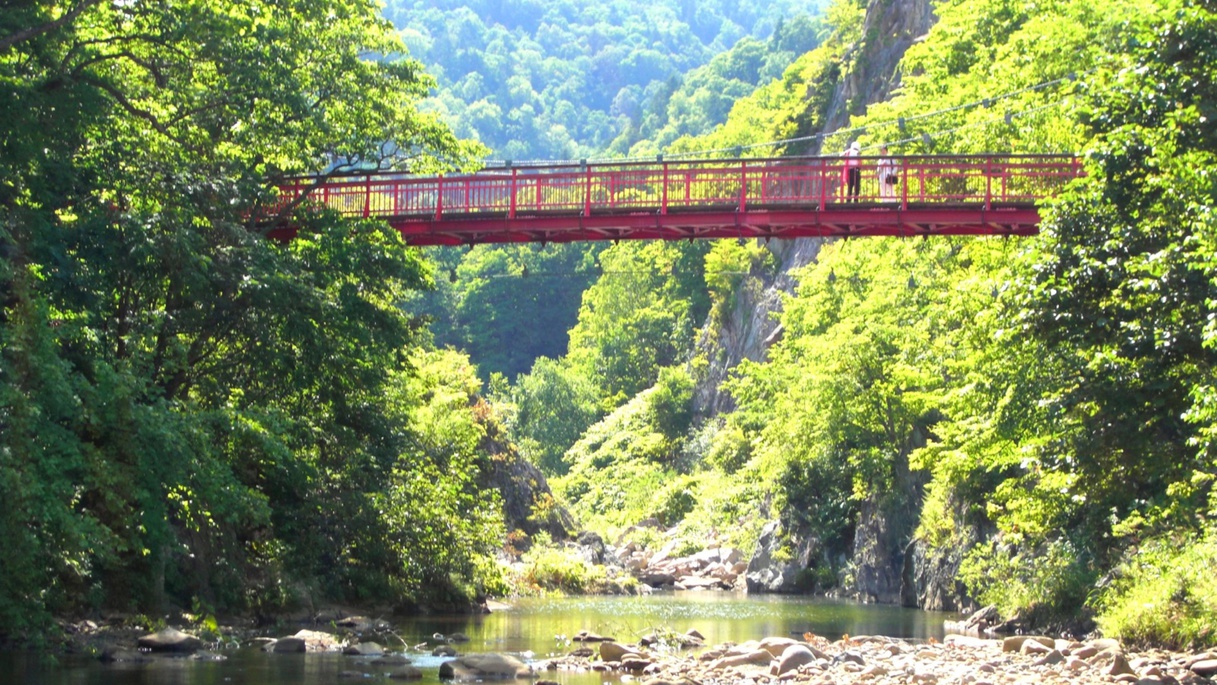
(783, 198)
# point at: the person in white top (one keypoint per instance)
(889, 175)
(853, 171)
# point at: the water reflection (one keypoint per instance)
(540, 627)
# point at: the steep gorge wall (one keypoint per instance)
(886, 564)
(873, 73)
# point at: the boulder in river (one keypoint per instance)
(170, 640)
(113, 655)
(612, 651)
(361, 623)
(363, 649)
(484, 667)
(287, 645)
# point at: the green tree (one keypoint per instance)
(554, 405)
(639, 316)
(177, 393)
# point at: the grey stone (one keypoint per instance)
(170, 640)
(1050, 659)
(406, 673)
(758, 657)
(776, 646)
(287, 645)
(484, 667)
(1015, 643)
(363, 649)
(793, 657)
(1205, 667)
(612, 651)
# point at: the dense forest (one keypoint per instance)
(194, 415)
(566, 80)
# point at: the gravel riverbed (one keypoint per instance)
(958, 660)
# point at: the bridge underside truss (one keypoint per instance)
(845, 221)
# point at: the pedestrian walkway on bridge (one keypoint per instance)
(710, 198)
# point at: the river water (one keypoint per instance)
(533, 629)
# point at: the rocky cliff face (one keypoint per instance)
(891, 26)
(877, 568)
(886, 565)
(752, 326)
(528, 503)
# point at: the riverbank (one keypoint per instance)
(548, 637)
(874, 660)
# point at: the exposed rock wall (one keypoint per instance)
(885, 528)
(886, 565)
(752, 326)
(528, 503)
(890, 27)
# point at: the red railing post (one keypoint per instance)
(904, 185)
(587, 191)
(439, 198)
(988, 183)
(743, 186)
(367, 196)
(511, 211)
(663, 203)
(823, 186)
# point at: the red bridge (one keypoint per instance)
(723, 198)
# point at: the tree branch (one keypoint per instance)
(25, 34)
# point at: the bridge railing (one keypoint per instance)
(690, 186)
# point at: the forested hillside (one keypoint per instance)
(561, 79)
(1025, 423)
(193, 416)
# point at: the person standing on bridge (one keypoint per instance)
(853, 171)
(889, 175)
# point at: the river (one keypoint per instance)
(534, 629)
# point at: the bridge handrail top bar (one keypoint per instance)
(709, 162)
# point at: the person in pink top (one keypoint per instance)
(853, 171)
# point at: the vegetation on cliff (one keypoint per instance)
(1047, 406)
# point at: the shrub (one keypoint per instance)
(1047, 582)
(1165, 594)
(675, 500)
(555, 569)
